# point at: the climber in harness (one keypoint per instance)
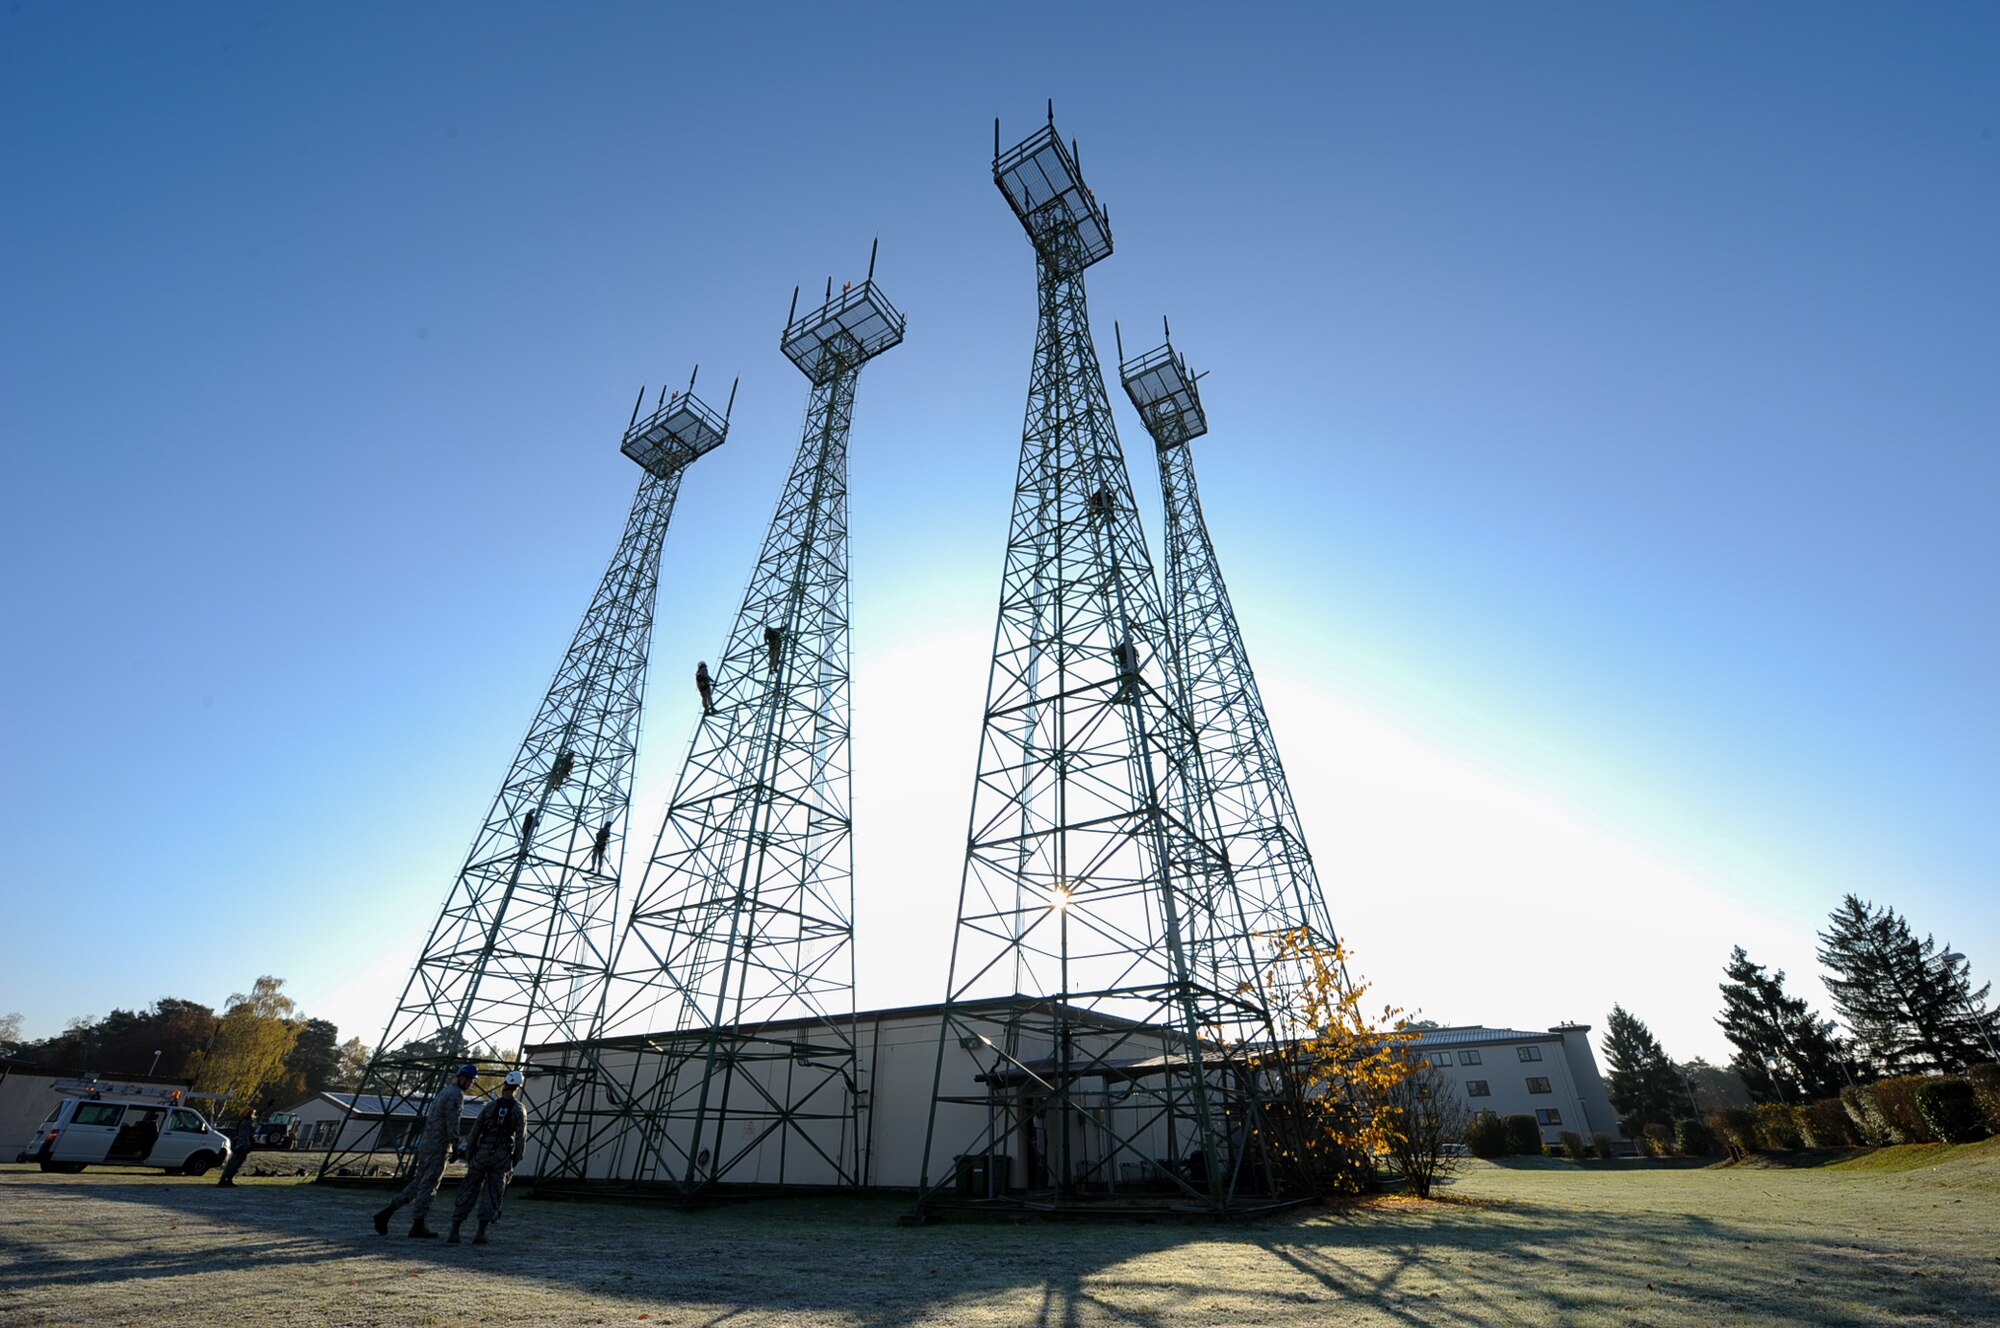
(599, 848)
(1128, 670)
(706, 686)
(774, 641)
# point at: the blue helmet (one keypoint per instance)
(468, 1071)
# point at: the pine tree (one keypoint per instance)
(1764, 1024)
(1906, 1005)
(1642, 1081)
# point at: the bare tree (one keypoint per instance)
(1426, 1141)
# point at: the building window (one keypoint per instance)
(1537, 1085)
(1468, 1058)
(1477, 1088)
(1529, 1053)
(1442, 1059)
(1546, 1117)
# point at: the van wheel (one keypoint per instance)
(64, 1168)
(198, 1165)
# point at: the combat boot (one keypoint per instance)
(421, 1229)
(382, 1220)
(452, 1239)
(479, 1236)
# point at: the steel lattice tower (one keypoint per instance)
(1096, 914)
(1242, 778)
(519, 953)
(745, 915)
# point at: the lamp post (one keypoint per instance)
(1771, 1064)
(1839, 1053)
(1948, 959)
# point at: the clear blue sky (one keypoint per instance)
(1604, 407)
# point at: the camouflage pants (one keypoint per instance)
(238, 1155)
(423, 1186)
(485, 1182)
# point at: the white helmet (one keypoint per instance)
(514, 1079)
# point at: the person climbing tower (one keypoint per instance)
(774, 641)
(601, 846)
(1128, 669)
(706, 686)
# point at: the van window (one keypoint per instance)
(54, 1112)
(186, 1120)
(97, 1113)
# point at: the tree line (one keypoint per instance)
(1906, 1006)
(259, 1052)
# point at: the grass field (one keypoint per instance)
(1907, 1236)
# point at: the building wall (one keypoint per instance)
(1562, 1067)
(25, 1102)
(320, 1116)
(897, 1064)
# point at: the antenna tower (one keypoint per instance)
(1242, 778)
(520, 951)
(744, 918)
(1096, 916)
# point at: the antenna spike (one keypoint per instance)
(1119, 336)
(829, 288)
(635, 408)
(792, 317)
(996, 138)
(730, 409)
(691, 378)
(1052, 110)
(873, 246)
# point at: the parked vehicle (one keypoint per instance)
(278, 1130)
(131, 1125)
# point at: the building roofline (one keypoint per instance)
(893, 1012)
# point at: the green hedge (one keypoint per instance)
(1896, 1099)
(1825, 1124)
(1693, 1138)
(1524, 1137)
(1986, 1087)
(1737, 1126)
(1951, 1109)
(1778, 1126)
(1870, 1125)
(1486, 1135)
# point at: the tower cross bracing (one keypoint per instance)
(520, 951)
(1096, 893)
(1241, 776)
(744, 918)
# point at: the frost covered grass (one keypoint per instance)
(1542, 1245)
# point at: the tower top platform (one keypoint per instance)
(852, 327)
(1166, 396)
(680, 430)
(1041, 179)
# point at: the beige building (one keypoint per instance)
(1551, 1076)
(896, 1066)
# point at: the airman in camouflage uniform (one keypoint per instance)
(493, 1150)
(241, 1140)
(433, 1151)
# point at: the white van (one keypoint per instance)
(127, 1125)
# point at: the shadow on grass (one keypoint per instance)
(1468, 1260)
